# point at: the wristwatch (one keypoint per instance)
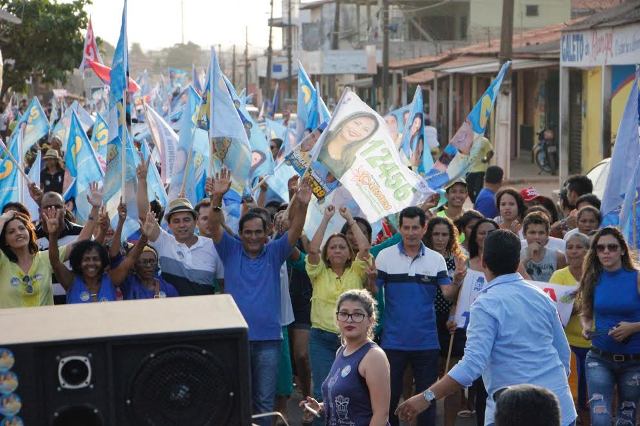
(429, 396)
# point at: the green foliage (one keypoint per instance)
(47, 45)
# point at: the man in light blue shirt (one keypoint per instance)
(514, 337)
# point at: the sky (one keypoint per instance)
(156, 23)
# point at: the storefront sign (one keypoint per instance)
(610, 46)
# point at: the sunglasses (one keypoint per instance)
(613, 248)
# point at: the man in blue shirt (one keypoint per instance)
(410, 274)
(252, 276)
(514, 337)
(486, 199)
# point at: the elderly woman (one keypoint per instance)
(576, 248)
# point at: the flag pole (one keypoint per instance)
(124, 143)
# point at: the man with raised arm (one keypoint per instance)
(252, 276)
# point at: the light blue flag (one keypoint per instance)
(83, 115)
(413, 144)
(464, 147)
(61, 128)
(9, 175)
(36, 126)
(629, 217)
(195, 77)
(155, 189)
(34, 176)
(100, 139)
(119, 80)
(227, 135)
(166, 141)
(625, 154)
(276, 129)
(279, 183)
(83, 166)
(311, 109)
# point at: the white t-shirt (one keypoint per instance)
(557, 244)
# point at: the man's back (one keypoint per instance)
(516, 327)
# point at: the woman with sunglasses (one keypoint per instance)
(25, 272)
(90, 278)
(357, 389)
(609, 298)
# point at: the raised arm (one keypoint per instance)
(114, 250)
(52, 216)
(314, 246)
(298, 212)
(6, 217)
(363, 244)
(120, 273)
(142, 198)
(264, 187)
(103, 226)
(94, 197)
(217, 187)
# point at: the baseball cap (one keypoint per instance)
(529, 194)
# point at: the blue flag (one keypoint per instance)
(83, 165)
(227, 135)
(9, 175)
(311, 108)
(625, 154)
(35, 125)
(155, 189)
(100, 139)
(413, 139)
(119, 80)
(464, 146)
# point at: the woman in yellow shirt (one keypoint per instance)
(576, 248)
(331, 272)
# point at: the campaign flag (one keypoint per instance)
(155, 188)
(34, 176)
(9, 175)
(82, 164)
(311, 111)
(474, 282)
(35, 124)
(279, 182)
(275, 101)
(165, 140)
(177, 78)
(357, 149)
(90, 51)
(118, 76)
(626, 151)
(465, 145)
(61, 129)
(413, 136)
(227, 135)
(197, 81)
(275, 129)
(83, 115)
(99, 140)
(562, 295)
(103, 72)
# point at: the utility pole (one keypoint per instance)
(246, 60)
(267, 92)
(233, 67)
(335, 45)
(385, 56)
(503, 134)
(289, 54)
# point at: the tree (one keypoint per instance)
(47, 45)
(183, 55)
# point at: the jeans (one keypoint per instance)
(264, 373)
(581, 356)
(602, 375)
(322, 352)
(425, 373)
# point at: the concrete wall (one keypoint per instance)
(486, 16)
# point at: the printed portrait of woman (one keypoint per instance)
(463, 139)
(414, 139)
(343, 142)
(392, 125)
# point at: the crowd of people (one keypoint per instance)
(360, 321)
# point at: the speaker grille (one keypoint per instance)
(180, 385)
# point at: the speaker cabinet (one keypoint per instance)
(174, 361)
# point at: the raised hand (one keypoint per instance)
(346, 214)
(292, 183)
(150, 225)
(304, 192)
(221, 182)
(263, 184)
(329, 211)
(7, 216)
(103, 220)
(35, 192)
(143, 168)
(122, 211)
(461, 269)
(52, 218)
(94, 196)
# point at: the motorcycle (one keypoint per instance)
(545, 152)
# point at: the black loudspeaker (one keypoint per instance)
(174, 361)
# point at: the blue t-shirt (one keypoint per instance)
(133, 289)
(79, 293)
(254, 283)
(616, 299)
(410, 286)
(486, 203)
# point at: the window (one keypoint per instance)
(532, 10)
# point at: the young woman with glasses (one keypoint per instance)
(609, 298)
(357, 389)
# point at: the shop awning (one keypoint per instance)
(420, 77)
(492, 66)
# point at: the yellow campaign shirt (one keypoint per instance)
(327, 288)
(478, 165)
(573, 330)
(14, 287)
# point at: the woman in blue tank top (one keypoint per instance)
(357, 390)
(87, 280)
(609, 298)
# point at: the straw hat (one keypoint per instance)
(51, 154)
(180, 205)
